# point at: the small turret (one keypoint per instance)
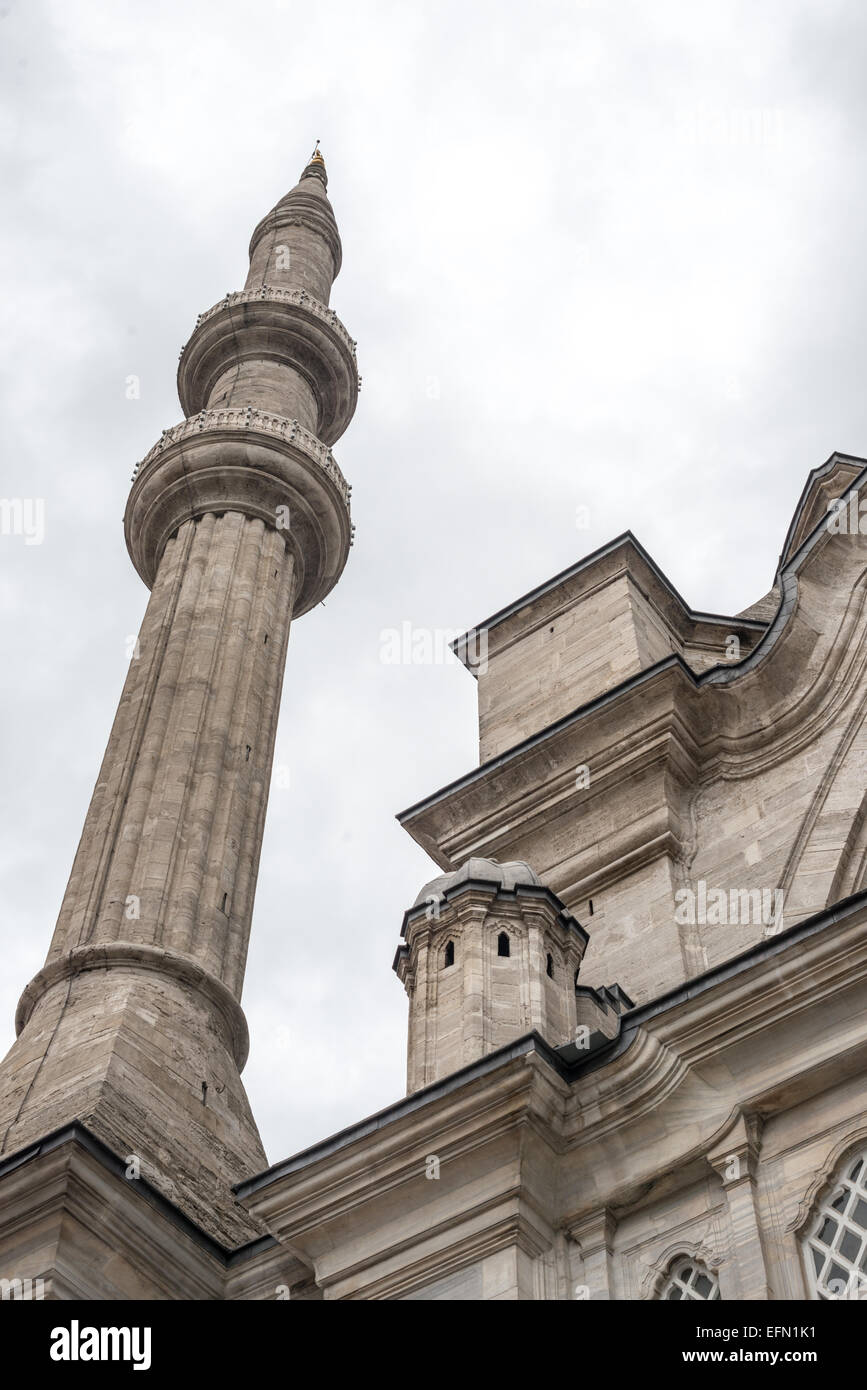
(490, 955)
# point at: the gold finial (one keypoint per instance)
(316, 157)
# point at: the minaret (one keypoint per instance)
(238, 520)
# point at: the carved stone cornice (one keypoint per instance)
(514, 1228)
(69, 1194)
(253, 462)
(712, 715)
(824, 485)
(674, 1049)
(592, 1231)
(271, 324)
(448, 1119)
(648, 733)
(281, 294)
(260, 422)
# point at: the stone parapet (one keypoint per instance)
(279, 349)
(255, 463)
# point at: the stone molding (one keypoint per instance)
(513, 1230)
(260, 422)
(288, 327)
(825, 484)
(488, 891)
(134, 955)
(622, 557)
(252, 462)
(276, 294)
(302, 212)
(713, 728)
(592, 1232)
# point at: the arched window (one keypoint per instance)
(835, 1241)
(449, 955)
(690, 1279)
(503, 944)
(549, 966)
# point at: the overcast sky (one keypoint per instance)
(607, 255)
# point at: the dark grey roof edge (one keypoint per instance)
(697, 615)
(833, 459)
(533, 1042)
(523, 890)
(550, 584)
(78, 1133)
(550, 730)
(736, 965)
(785, 578)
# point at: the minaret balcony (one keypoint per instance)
(253, 462)
(282, 349)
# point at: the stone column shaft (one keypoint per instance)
(171, 841)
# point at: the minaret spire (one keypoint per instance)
(315, 167)
(238, 520)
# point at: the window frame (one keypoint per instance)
(844, 1199)
(684, 1271)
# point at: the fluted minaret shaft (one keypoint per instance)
(238, 519)
(171, 842)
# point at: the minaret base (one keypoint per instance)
(147, 1061)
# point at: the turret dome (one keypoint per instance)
(506, 876)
